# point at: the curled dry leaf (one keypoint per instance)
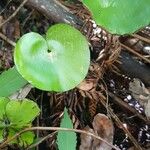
(141, 94)
(86, 85)
(103, 127)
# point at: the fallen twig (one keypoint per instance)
(54, 10)
(126, 106)
(141, 38)
(133, 68)
(135, 53)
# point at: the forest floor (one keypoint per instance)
(117, 84)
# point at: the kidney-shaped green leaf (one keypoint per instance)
(57, 63)
(120, 16)
(21, 112)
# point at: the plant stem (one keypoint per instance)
(56, 129)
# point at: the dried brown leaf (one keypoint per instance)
(86, 85)
(141, 94)
(103, 127)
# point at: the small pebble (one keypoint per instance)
(141, 109)
(125, 125)
(99, 35)
(121, 145)
(126, 100)
(130, 104)
(129, 97)
(146, 127)
(146, 49)
(147, 27)
(111, 85)
(148, 135)
(105, 38)
(94, 25)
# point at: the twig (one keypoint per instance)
(126, 106)
(135, 53)
(14, 14)
(141, 38)
(134, 68)
(2, 36)
(55, 11)
(56, 129)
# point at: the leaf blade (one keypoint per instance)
(21, 113)
(119, 16)
(58, 70)
(66, 140)
(10, 82)
(3, 102)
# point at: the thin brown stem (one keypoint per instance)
(2, 36)
(141, 38)
(55, 129)
(135, 53)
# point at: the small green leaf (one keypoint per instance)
(21, 113)
(3, 103)
(120, 16)
(23, 140)
(26, 139)
(10, 82)
(58, 63)
(11, 133)
(1, 135)
(14, 116)
(66, 140)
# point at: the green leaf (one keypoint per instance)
(120, 16)
(10, 82)
(23, 140)
(3, 103)
(21, 113)
(58, 63)
(9, 132)
(66, 140)
(1, 135)
(26, 139)
(14, 116)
